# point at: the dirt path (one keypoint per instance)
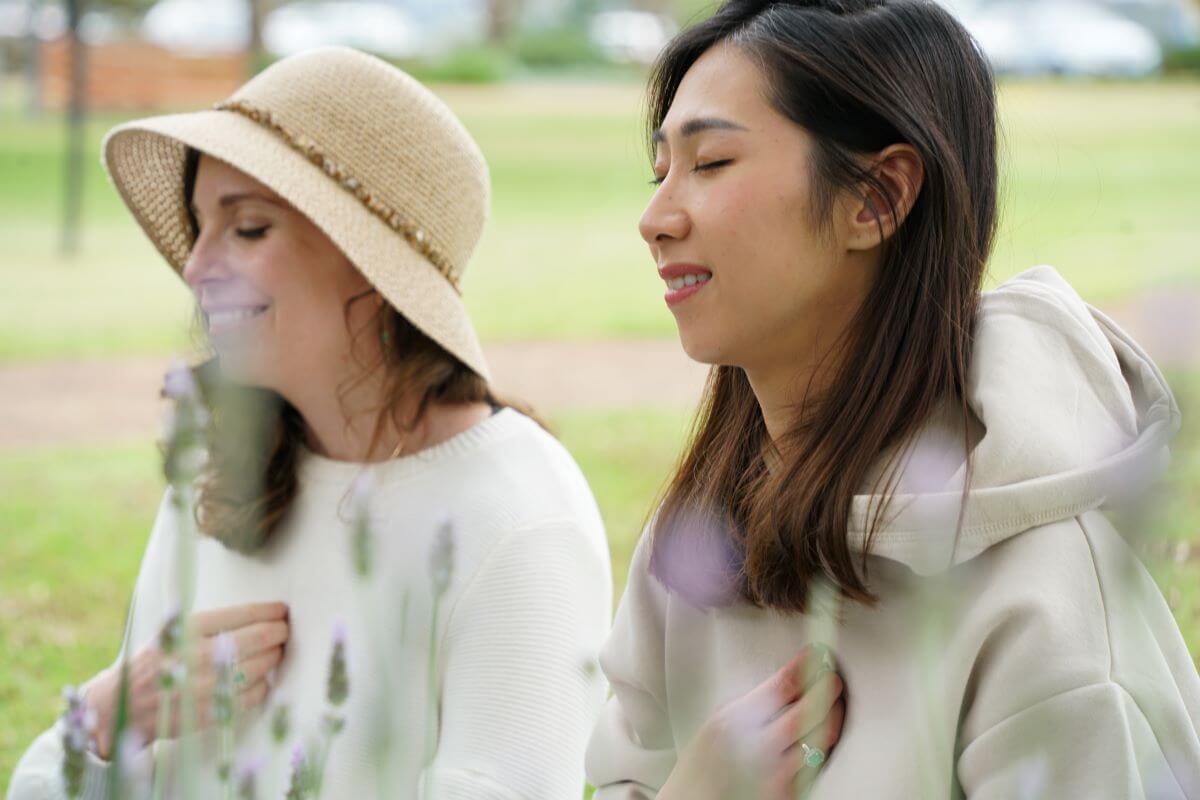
(66, 403)
(63, 403)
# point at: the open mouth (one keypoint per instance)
(682, 286)
(675, 284)
(229, 318)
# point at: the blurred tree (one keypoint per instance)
(501, 19)
(131, 6)
(73, 189)
(688, 11)
(258, 10)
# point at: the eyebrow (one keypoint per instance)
(694, 126)
(233, 199)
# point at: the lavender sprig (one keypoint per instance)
(184, 457)
(79, 724)
(303, 783)
(360, 539)
(247, 778)
(337, 690)
(224, 695)
(441, 571)
(171, 676)
(338, 686)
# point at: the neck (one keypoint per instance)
(341, 428)
(785, 389)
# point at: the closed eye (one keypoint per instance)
(711, 165)
(253, 233)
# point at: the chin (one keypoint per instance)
(701, 347)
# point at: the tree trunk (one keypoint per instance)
(75, 119)
(257, 10)
(501, 19)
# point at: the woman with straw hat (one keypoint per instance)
(401, 582)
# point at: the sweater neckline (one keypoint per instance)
(315, 468)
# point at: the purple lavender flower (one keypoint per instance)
(171, 634)
(224, 698)
(338, 688)
(185, 426)
(179, 382)
(79, 722)
(247, 777)
(303, 778)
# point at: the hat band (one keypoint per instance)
(413, 233)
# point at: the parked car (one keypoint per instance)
(376, 27)
(1068, 38)
(630, 36)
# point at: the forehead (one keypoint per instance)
(214, 177)
(723, 83)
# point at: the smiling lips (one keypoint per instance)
(221, 319)
(683, 281)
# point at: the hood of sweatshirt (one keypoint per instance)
(1070, 415)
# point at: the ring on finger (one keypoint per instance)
(814, 757)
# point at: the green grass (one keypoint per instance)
(1100, 180)
(73, 524)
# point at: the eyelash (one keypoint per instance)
(698, 168)
(253, 233)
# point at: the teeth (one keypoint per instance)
(675, 284)
(233, 315)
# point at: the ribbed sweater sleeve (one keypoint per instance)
(521, 688)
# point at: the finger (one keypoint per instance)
(259, 637)
(254, 696)
(780, 689)
(255, 668)
(210, 623)
(805, 714)
(247, 641)
(824, 737)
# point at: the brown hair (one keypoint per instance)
(254, 434)
(858, 75)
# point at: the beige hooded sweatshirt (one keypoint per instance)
(1037, 660)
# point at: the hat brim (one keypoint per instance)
(145, 161)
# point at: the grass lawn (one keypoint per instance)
(73, 524)
(1100, 180)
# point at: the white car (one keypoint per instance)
(198, 27)
(1071, 38)
(630, 36)
(376, 27)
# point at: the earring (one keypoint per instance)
(385, 337)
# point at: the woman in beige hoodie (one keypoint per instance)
(887, 461)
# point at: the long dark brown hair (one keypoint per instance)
(858, 75)
(254, 434)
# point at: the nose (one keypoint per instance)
(664, 218)
(204, 264)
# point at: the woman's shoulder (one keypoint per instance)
(523, 477)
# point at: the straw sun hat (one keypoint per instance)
(365, 152)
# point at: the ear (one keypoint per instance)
(875, 218)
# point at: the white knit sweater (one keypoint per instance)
(517, 632)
